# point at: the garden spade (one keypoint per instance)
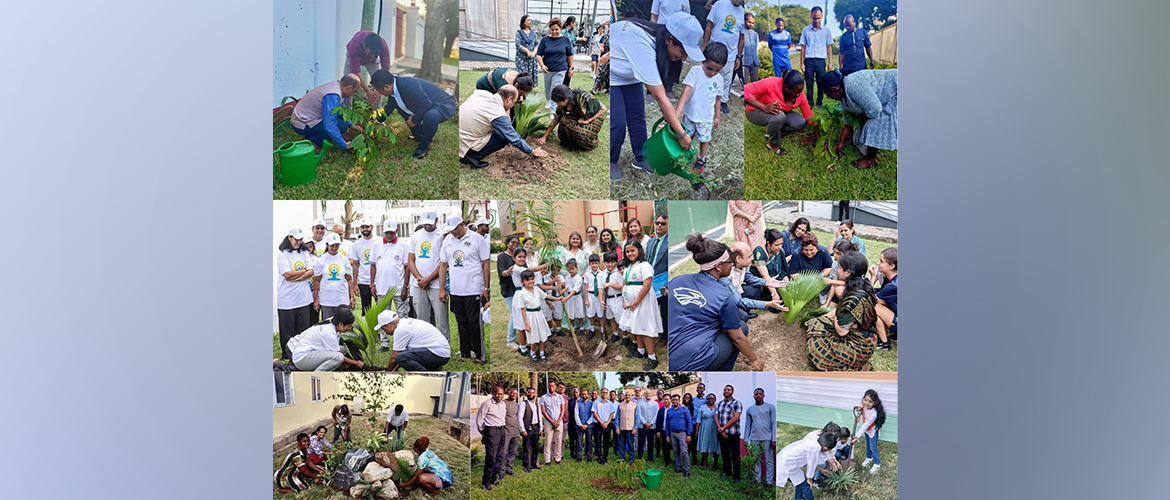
(856, 419)
(599, 350)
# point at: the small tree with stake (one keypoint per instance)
(365, 116)
(373, 388)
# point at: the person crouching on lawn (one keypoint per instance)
(484, 126)
(773, 102)
(296, 472)
(421, 103)
(579, 115)
(418, 345)
(432, 473)
(699, 103)
(319, 448)
(872, 93)
(316, 118)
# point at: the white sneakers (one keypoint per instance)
(867, 462)
(875, 469)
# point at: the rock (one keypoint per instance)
(344, 479)
(406, 455)
(387, 492)
(386, 459)
(360, 490)
(374, 472)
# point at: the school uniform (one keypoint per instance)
(575, 306)
(613, 298)
(553, 310)
(528, 303)
(792, 458)
(644, 319)
(593, 282)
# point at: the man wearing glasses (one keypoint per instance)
(656, 251)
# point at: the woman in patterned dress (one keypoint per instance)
(601, 82)
(526, 42)
(874, 95)
(844, 339)
(580, 117)
(747, 218)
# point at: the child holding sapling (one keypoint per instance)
(699, 104)
(574, 307)
(872, 417)
(528, 302)
(593, 279)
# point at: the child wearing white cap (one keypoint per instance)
(423, 261)
(418, 346)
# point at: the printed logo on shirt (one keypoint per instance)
(298, 266)
(320, 251)
(424, 250)
(366, 257)
(728, 24)
(334, 272)
(687, 296)
(457, 257)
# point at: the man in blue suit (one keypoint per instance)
(423, 104)
(656, 252)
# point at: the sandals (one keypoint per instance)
(859, 167)
(778, 151)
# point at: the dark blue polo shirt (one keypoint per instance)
(818, 263)
(700, 309)
(852, 47)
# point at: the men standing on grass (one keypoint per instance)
(679, 424)
(466, 257)
(418, 346)
(779, 41)
(854, 46)
(361, 258)
(552, 409)
(530, 428)
(663, 437)
(649, 410)
(421, 103)
(759, 427)
(489, 419)
(749, 69)
(316, 116)
(629, 421)
(727, 414)
(816, 45)
(725, 25)
(396, 421)
(388, 271)
(423, 262)
(511, 431)
(603, 416)
(584, 422)
(484, 126)
(615, 407)
(571, 424)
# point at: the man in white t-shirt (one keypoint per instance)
(483, 228)
(346, 245)
(396, 421)
(418, 346)
(361, 258)
(388, 270)
(423, 259)
(725, 25)
(318, 237)
(465, 258)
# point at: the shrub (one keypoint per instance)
(799, 292)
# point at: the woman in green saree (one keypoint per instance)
(844, 339)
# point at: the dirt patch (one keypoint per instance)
(607, 484)
(806, 138)
(562, 356)
(783, 347)
(513, 165)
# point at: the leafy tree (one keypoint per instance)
(766, 13)
(434, 34)
(584, 380)
(869, 14)
(657, 379)
(632, 8)
(374, 388)
(796, 17)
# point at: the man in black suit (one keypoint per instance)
(656, 252)
(530, 428)
(421, 103)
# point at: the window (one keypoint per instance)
(315, 382)
(451, 378)
(283, 389)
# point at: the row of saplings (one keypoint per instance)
(372, 471)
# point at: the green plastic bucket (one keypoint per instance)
(665, 154)
(652, 478)
(295, 163)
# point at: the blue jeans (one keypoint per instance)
(804, 491)
(625, 448)
(871, 449)
(511, 328)
(495, 143)
(316, 134)
(629, 111)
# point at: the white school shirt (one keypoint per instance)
(728, 26)
(638, 272)
(415, 333)
(292, 294)
(363, 252)
(631, 57)
(664, 8)
(321, 337)
(814, 435)
(390, 259)
(868, 422)
(330, 271)
(801, 454)
(573, 283)
(700, 106)
(427, 249)
(516, 270)
(614, 277)
(464, 258)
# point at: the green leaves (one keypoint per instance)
(364, 327)
(528, 115)
(799, 292)
(841, 480)
(812, 313)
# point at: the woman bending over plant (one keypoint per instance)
(432, 474)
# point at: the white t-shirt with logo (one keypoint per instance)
(390, 259)
(292, 294)
(321, 337)
(415, 333)
(319, 247)
(330, 271)
(728, 26)
(700, 107)
(363, 252)
(664, 8)
(464, 258)
(426, 248)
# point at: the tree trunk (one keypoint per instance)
(348, 217)
(534, 380)
(434, 31)
(369, 9)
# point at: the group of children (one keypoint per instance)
(616, 300)
(819, 452)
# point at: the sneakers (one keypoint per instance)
(651, 364)
(590, 336)
(644, 165)
(867, 462)
(700, 164)
(615, 172)
(883, 346)
(875, 469)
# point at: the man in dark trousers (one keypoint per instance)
(421, 103)
(660, 428)
(530, 428)
(727, 414)
(656, 251)
(490, 420)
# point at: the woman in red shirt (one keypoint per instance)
(772, 103)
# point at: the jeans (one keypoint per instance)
(804, 491)
(626, 445)
(511, 327)
(495, 143)
(586, 441)
(646, 442)
(871, 449)
(395, 429)
(778, 125)
(292, 322)
(552, 79)
(420, 359)
(601, 442)
(682, 458)
(320, 361)
(428, 306)
(338, 433)
(814, 68)
(426, 125)
(317, 135)
(629, 112)
(470, 324)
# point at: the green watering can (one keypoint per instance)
(298, 163)
(666, 156)
(652, 478)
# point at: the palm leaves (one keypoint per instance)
(545, 228)
(799, 292)
(365, 334)
(842, 479)
(531, 110)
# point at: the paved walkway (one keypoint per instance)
(785, 213)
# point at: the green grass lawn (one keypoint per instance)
(446, 447)
(391, 173)
(799, 175)
(882, 361)
(880, 486)
(574, 480)
(584, 177)
(454, 365)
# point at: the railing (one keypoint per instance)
(486, 44)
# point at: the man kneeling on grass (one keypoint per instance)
(484, 126)
(421, 103)
(296, 473)
(418, 346)
(316, 117)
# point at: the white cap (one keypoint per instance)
(318, 222)
(308, 237)
(482, 222)
(452, 223)
(390, 228)
(365, 222)
(429, 218)
(332, 239)
(385, 318)
(685, 28)
(296, 232)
